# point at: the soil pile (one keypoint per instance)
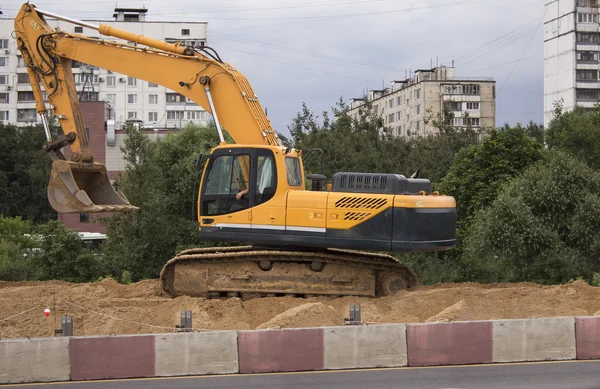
(106, 307)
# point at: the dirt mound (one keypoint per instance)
(311, 314)
(107, 307)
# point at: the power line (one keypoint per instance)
(486, 44)
(519, 61)
(304, 67)
(503, 64)
(496, 48)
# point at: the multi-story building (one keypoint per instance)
(129, 98)
(571, 47)
(406, 106)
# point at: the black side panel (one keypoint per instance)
(432, 227)
(379, 227)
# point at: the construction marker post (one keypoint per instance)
(66, 325)
(354, 318)
(186, 322)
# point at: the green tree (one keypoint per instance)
(578, 133)
(541, 227)
(24, 173)
(160, 179)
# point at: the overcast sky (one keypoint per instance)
(316, 51)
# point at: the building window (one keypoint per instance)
(586, 75)
(4, 98)
(587, 18)
(111, 81)
(3, 79)
(152, 116)
(587, 3)
(472, 105)
(175, 98)
(471, 89)
(418, 109)
(417, 125)
(22, 78)
(111, 98)
(4, 44)
(471, 121)
(153, 99)
(185, 31)
(453, 106)
(591, 56)
(195, 115)
(391, 118)
(78, 30)
(131, 98)
(399, 100)
(25, 97)
(175, 115)
(391, 103)
(84, 218)
(398, 115)
(4, 61)
(131, 115)
(26, 115)
(587, 94)
(4, 115)
(418, 94)
(152, 85)
(20, 62)
(131, 81)
(588, 37)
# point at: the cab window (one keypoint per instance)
(227, 176)
(266, 179)
(292, 167)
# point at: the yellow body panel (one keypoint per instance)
(307, 209)
(404, 201)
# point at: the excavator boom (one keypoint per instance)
(80, 184)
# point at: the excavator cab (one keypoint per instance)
(84, 188)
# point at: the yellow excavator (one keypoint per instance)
(302, 242)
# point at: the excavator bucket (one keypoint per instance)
(84, 188)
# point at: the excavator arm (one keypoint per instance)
(80, 184)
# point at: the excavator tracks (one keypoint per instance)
(248, 271)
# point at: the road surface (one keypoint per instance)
(553, 375)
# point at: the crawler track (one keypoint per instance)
(248, 271)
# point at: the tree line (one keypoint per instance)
(528, 198)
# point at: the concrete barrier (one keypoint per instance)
(196, 353)
(365, 346)
(34, 360)
(280, 350)
(112, 357)
(459, 343)
(587, 333)
(534, 339)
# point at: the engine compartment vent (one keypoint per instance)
(379, 183)
(360, 202)
(356, 215)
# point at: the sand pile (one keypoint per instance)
(110, 308)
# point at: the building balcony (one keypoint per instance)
(586, 103)
(588, 46)
(588, 27)
(587, 84)
(461, 98)
(587, 65)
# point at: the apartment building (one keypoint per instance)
(571, 47)
(129, 98)
(406, 105)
